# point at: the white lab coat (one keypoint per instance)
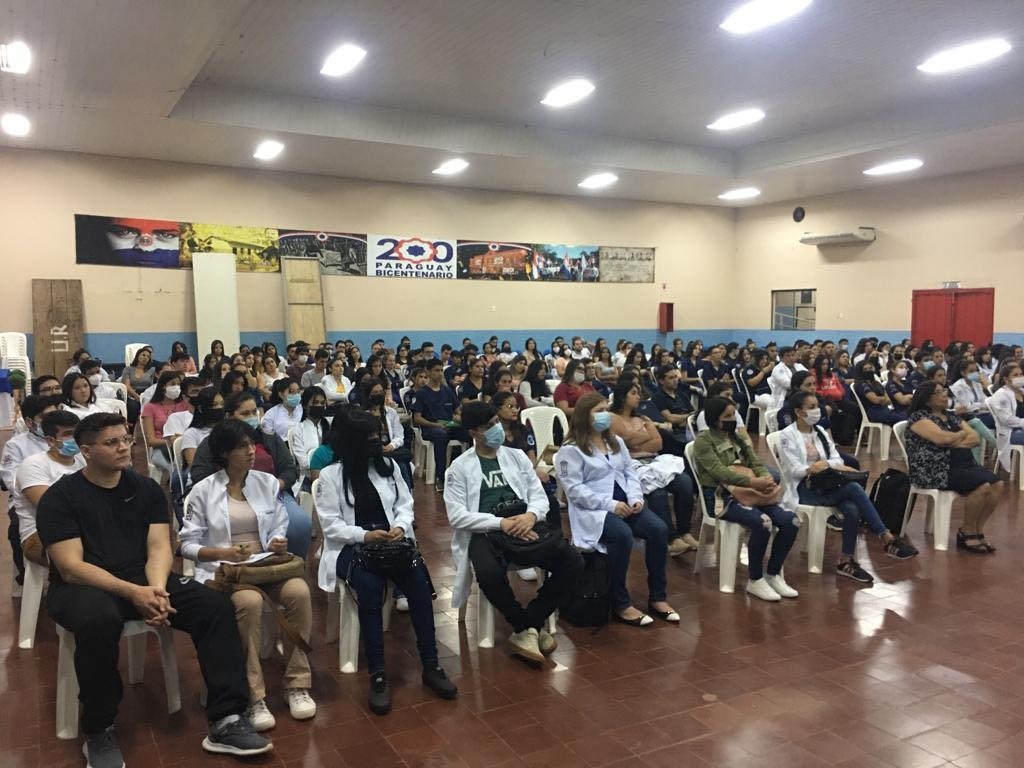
(1003, 406)
(462, 503)
(793, 461)
(779, 382)
(589, 485)
(207, 523)
(305, 440)
(970, 395)
(15, 451)
(395, 430)
(278, 420)
(338, 517)
(330, 387)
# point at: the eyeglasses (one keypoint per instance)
(510, 407)
(115, 442)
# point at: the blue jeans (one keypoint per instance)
(681, 488)
(369, 589)
(853, 503)
(618, 539)
(439, 439)
(750, 518)
(1017, 436)
(300, 525)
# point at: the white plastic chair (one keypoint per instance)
(343, 624)
(154, 471)
(135, 633)
(726, 541)
(485, 614)
(121, 387)
(884, 431)
(751, 405)
(31, 599)
(113, 405)
(771, 420)
(177, 457)
(19, 363)
(1016, 451)
(13, 343)
(542, 420)
(130, 350)
(814, 517)
(937, 516)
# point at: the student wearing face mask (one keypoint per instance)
(166, 400)
(272, 456)
(782, 375)
(607, 509)
(970, 390)
(92, 369)
(1007, 406)
(498, 510)
(805, 451)
(751, 497)
(872, 394)
(311, 432)
(392, 433)
(285, 412)
(574, 385)
(899, 387)
(39, 471)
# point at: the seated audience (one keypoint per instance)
(179, 352)
(987, 362)
(232, 515)
(498, 510)
(755, 377)
(1007, 404)
(938, 456)
(336, 384)
(806, 451)
(105, 530)
(534, 386)
(843, 367)
(715, 368)
(392, 433)
(607, 509)
(314, 375)
(141, 374)
(166, 400)
(273, 457)
(311, 432)
(474, 383)
(899, 387)
(360, 503)
(869, 389)
(782, 375)
(672, 398)
(270, 374)
(208, 408)
(969, 392)
(285, 410)
(79, 396)
(46, 386)
(590, 377)
(572, 387)
(92, 369)
(751, 496)
(436, 413)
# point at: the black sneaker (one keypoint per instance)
(834, 523)
(436, 680)
(380, 694)
(101, 750)
(851, 569)
(900, 549)
(236, 737)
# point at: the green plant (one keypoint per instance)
(17, 379)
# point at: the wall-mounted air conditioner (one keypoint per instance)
(858, 235)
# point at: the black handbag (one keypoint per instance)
(548, 539)
(834, 479)
(389, 559)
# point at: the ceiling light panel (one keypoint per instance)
(739, 119)
(567, 93)
(15, 57)
(759, 14)
(896, 166)
(268, 150)
(598, 181)
(451, 167)
(342, 60)
(743, 193)
(15, 124)
(965, 56)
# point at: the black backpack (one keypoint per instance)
(588, 603)
(889, 494)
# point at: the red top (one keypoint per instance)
(571, 392)
(159, 414)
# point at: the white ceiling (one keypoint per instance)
(204, 80)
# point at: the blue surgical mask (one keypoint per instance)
(602, 420)
(253, 421)
(929, 364)
(38, 431)
(495, 435)
(975, 376)
(68, 447)
(293, 400)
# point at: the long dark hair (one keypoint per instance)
(515, 427)
(203, 404)
(161, 386)
(307, 397)
(619, 392)
(349, 440)
(538, 386)
(69, 384)
(923, 393)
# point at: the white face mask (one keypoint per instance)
(901, 371)
(173, 392)
(95, 379)
(1017, 382)
(812, 416)
(578, 377)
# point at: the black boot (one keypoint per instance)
(436, 680)
(380, 694)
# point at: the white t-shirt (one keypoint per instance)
(39, 469)
(193, 436)
(177, 423)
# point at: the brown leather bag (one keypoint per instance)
(749, 497)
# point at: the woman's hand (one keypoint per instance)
(377, 537)
(234, 554)
(819, 466)
(397, 533)
(622, 509)
(278, 545)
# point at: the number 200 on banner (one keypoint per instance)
(411, 256)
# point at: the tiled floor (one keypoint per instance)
(924, 669)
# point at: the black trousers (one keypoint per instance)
(96, 618)
(14, 537)
(563, 564)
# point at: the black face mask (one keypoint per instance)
(374, 448)
(318, 411)
(377, 399)
(216, 414)
(729, 427)
(897, 356)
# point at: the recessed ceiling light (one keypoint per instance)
(342, 60)
(964, 56)
(451, 167)
(737, 120)
(15, 124)
(896, 166)
(758, 14)
(743, 193)
(567, 93)
(15, 57)
(268, 150)
(598, 180)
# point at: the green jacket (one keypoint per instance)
(715, 452)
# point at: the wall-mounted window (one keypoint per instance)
(794, 310)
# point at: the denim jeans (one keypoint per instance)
(300, 525)
(681, 488)
(439, 439)
(369, 589)
(618, 539)
(853, 503)
(750, 518)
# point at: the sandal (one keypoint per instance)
(984, 543)
(963, 542)
(670, 616)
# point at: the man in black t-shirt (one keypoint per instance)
(106, 532)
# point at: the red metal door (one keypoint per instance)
(931, 317)
(973, 311)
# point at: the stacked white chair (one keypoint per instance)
(130, 350)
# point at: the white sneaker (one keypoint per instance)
(546, 642)
(527, 574)
(402, 604)
(300, 703)
(524, 644)
(780, 586)
(762, 589)
(259, 716)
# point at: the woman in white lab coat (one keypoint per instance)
(1007, 408)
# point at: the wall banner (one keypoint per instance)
(495, 261)
(411, 256)
(566, 263)
(626, 265)
(339, 253)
